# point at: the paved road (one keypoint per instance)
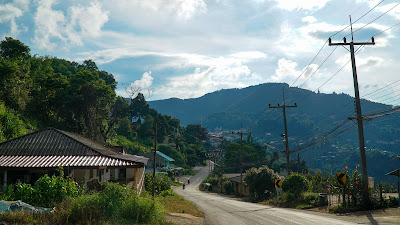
(220, 210)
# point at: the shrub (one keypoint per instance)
(288, 197)
(162, 183)
(310, 198)
(166, 193)
(214, 181)
(112, 195)
(136, 209)
(392, 202)
(295, 184)
(85, 209)
(261, 183)
(115, 204)
(228, 186)
(46, 192)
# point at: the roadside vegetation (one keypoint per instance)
(305, 190)
(113, 204)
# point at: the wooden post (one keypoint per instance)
(344, 195)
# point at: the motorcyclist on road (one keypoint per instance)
(183, 186)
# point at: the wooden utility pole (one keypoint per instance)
(241, 160)
(222, 155)
(287, 151)
(154, 157)
(358, 104)
(298, 163)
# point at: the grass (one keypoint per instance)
(177, 184)
(177, 204)
(304, 206)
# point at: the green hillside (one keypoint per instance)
(316, 114)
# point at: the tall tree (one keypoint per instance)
(11, 49)
(194, 133)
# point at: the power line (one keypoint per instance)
(298, 77)
(380, 89)
(324, 138)
(374, 19)
(384, 111)
(382, 115)
(386, 29)
(357, 19)
(255, 122)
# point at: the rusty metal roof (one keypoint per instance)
(52, 148)
(65, 161)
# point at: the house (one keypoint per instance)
(163, 162)
(235, 179)
(27, 158)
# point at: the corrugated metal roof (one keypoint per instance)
(52, 147)
(165, 156)
(131, 158)
(52, 141)
(65, 161)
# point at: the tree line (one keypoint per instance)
(44, 91)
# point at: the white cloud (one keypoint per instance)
(9, 12)
(80, 22)
(287, 72)
(187, 8)
(395, 12)
(48, 23)
(180, 9)
(211, 74)
(286, 68)
(309, 19)
(246, 56)
(22, 4)
(291, 5)
(363, 63)
(90, 19)
(145, 82)
(206, 80)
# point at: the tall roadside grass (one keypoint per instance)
(115, 204)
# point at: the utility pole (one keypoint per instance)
(222, 155)
(298, 163)
(241, 160)
(154, 157)
(358, 104)
(287, 151)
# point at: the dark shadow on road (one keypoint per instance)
(255, 210)
(371, 219)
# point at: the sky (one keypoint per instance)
(187, 48)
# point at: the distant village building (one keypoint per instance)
(237, 185)
(163, 162)
(25, 159)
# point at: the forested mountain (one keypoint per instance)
(316, 114)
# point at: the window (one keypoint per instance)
(122, 173)
(90, 173)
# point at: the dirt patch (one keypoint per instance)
(183, 218)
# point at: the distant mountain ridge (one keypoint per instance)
(316, 114)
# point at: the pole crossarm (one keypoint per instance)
(359, 116)
(351, 43)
